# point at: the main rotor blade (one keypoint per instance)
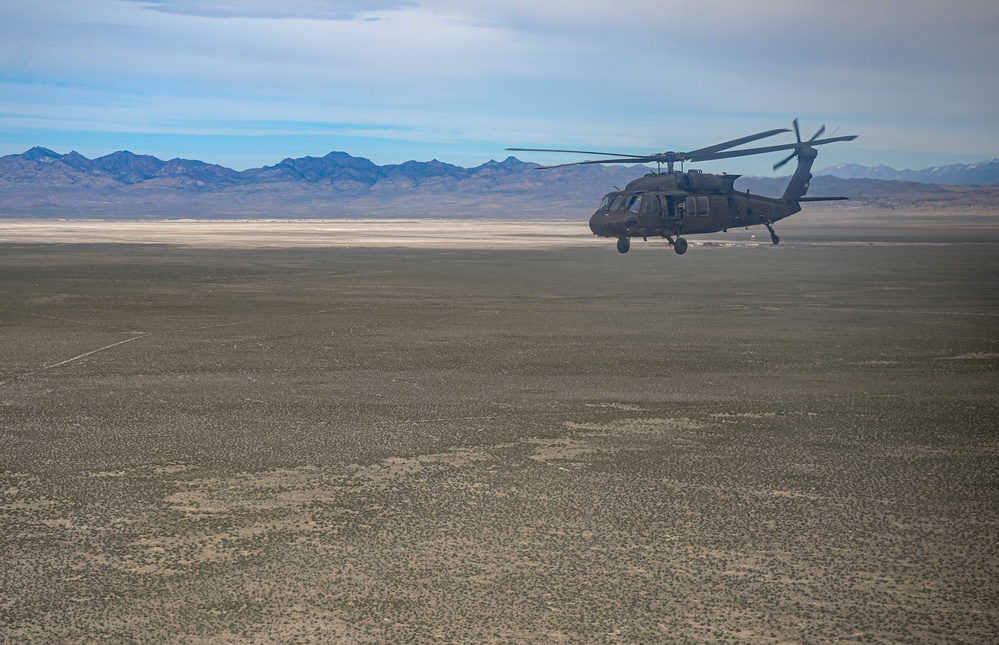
(760, 151)
(661, 157)
(737, 142)
(577, 152)
(703, 154)
(639, 160)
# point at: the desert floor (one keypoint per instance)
(815, 226)
(207, 441)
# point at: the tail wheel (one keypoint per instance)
(773, 235)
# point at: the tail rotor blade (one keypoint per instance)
(785, 160)
(818, 134)
(797, 133)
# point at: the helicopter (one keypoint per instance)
(671, 204)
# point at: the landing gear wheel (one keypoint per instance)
(775, 239)
(680, 246)
(623, 244)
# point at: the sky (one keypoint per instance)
(246, 83)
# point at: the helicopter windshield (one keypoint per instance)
(621, 203)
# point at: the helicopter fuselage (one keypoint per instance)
(673, 204)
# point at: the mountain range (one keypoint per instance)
(43, 183)
(984, 173)
(337, 171)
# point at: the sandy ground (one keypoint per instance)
(818, 226)
(369, 233)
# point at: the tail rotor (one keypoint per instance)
(797, 135)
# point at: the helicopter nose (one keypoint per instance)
(605, 224)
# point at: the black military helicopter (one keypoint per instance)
(670, 204)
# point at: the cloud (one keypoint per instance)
(617, 73)
(268, 9)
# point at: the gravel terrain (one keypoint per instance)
(431, 443)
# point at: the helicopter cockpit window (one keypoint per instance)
(604, 205)
(617, 203)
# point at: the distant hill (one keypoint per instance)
(985, 173)
(877, 193)
(43, 183)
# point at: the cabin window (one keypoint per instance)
(697, 206)
(636, 204)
